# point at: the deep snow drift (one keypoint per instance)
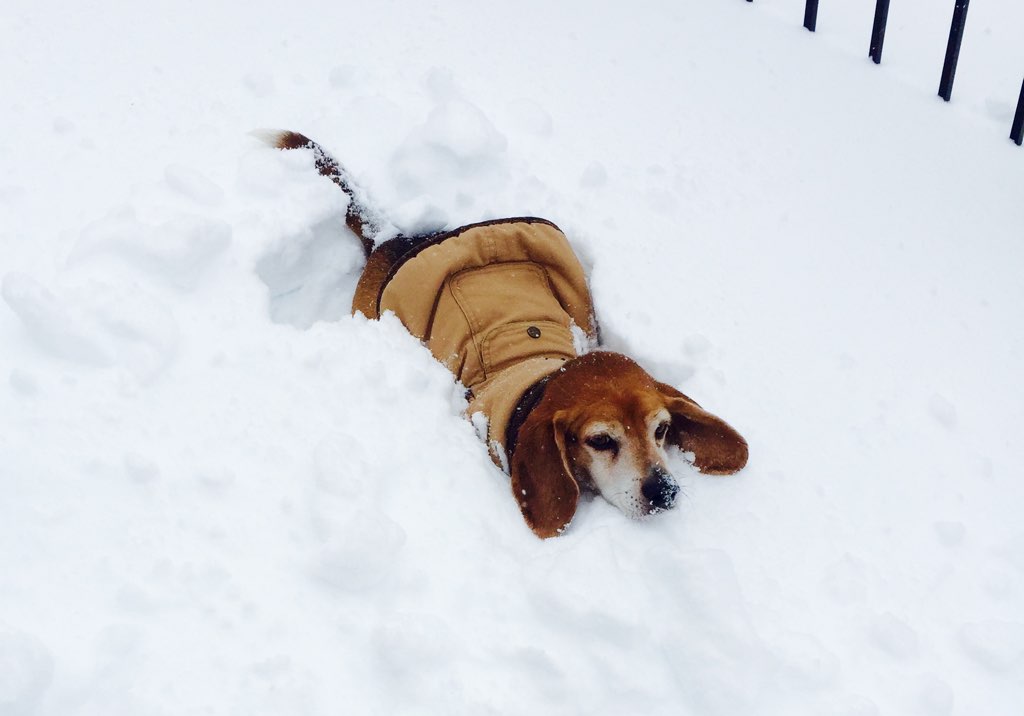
(221, 494)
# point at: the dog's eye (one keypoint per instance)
(602, 442)
(661, 431)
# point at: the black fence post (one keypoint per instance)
(811, 15)
(878, 30)
(956, 36)
(1017, 131)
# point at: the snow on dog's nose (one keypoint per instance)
(659, 489)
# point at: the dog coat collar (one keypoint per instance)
(418, 246)
(529, 400)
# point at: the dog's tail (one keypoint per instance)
(364, 222)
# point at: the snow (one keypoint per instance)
(223, 494)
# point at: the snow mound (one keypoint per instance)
(222, 494)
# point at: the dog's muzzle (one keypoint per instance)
(660, 489)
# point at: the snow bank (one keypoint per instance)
(222, 494)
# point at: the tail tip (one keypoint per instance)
(281, 138)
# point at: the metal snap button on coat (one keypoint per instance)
(533, 332)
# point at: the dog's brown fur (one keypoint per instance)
(550, 460)
(547, 465)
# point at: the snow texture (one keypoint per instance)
(220, 493)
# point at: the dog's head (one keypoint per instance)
(604, 424)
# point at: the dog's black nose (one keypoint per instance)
(659, 489)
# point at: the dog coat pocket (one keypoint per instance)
(512, 313)
(515, 342)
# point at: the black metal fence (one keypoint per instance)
(956, 36)
(1017, 131)
(877, 30)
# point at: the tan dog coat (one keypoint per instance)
(495, 303)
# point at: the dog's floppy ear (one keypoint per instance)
(717, 448)
(541, 479)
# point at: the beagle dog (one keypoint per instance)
(506, 307)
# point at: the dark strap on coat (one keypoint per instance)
(521, 412)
